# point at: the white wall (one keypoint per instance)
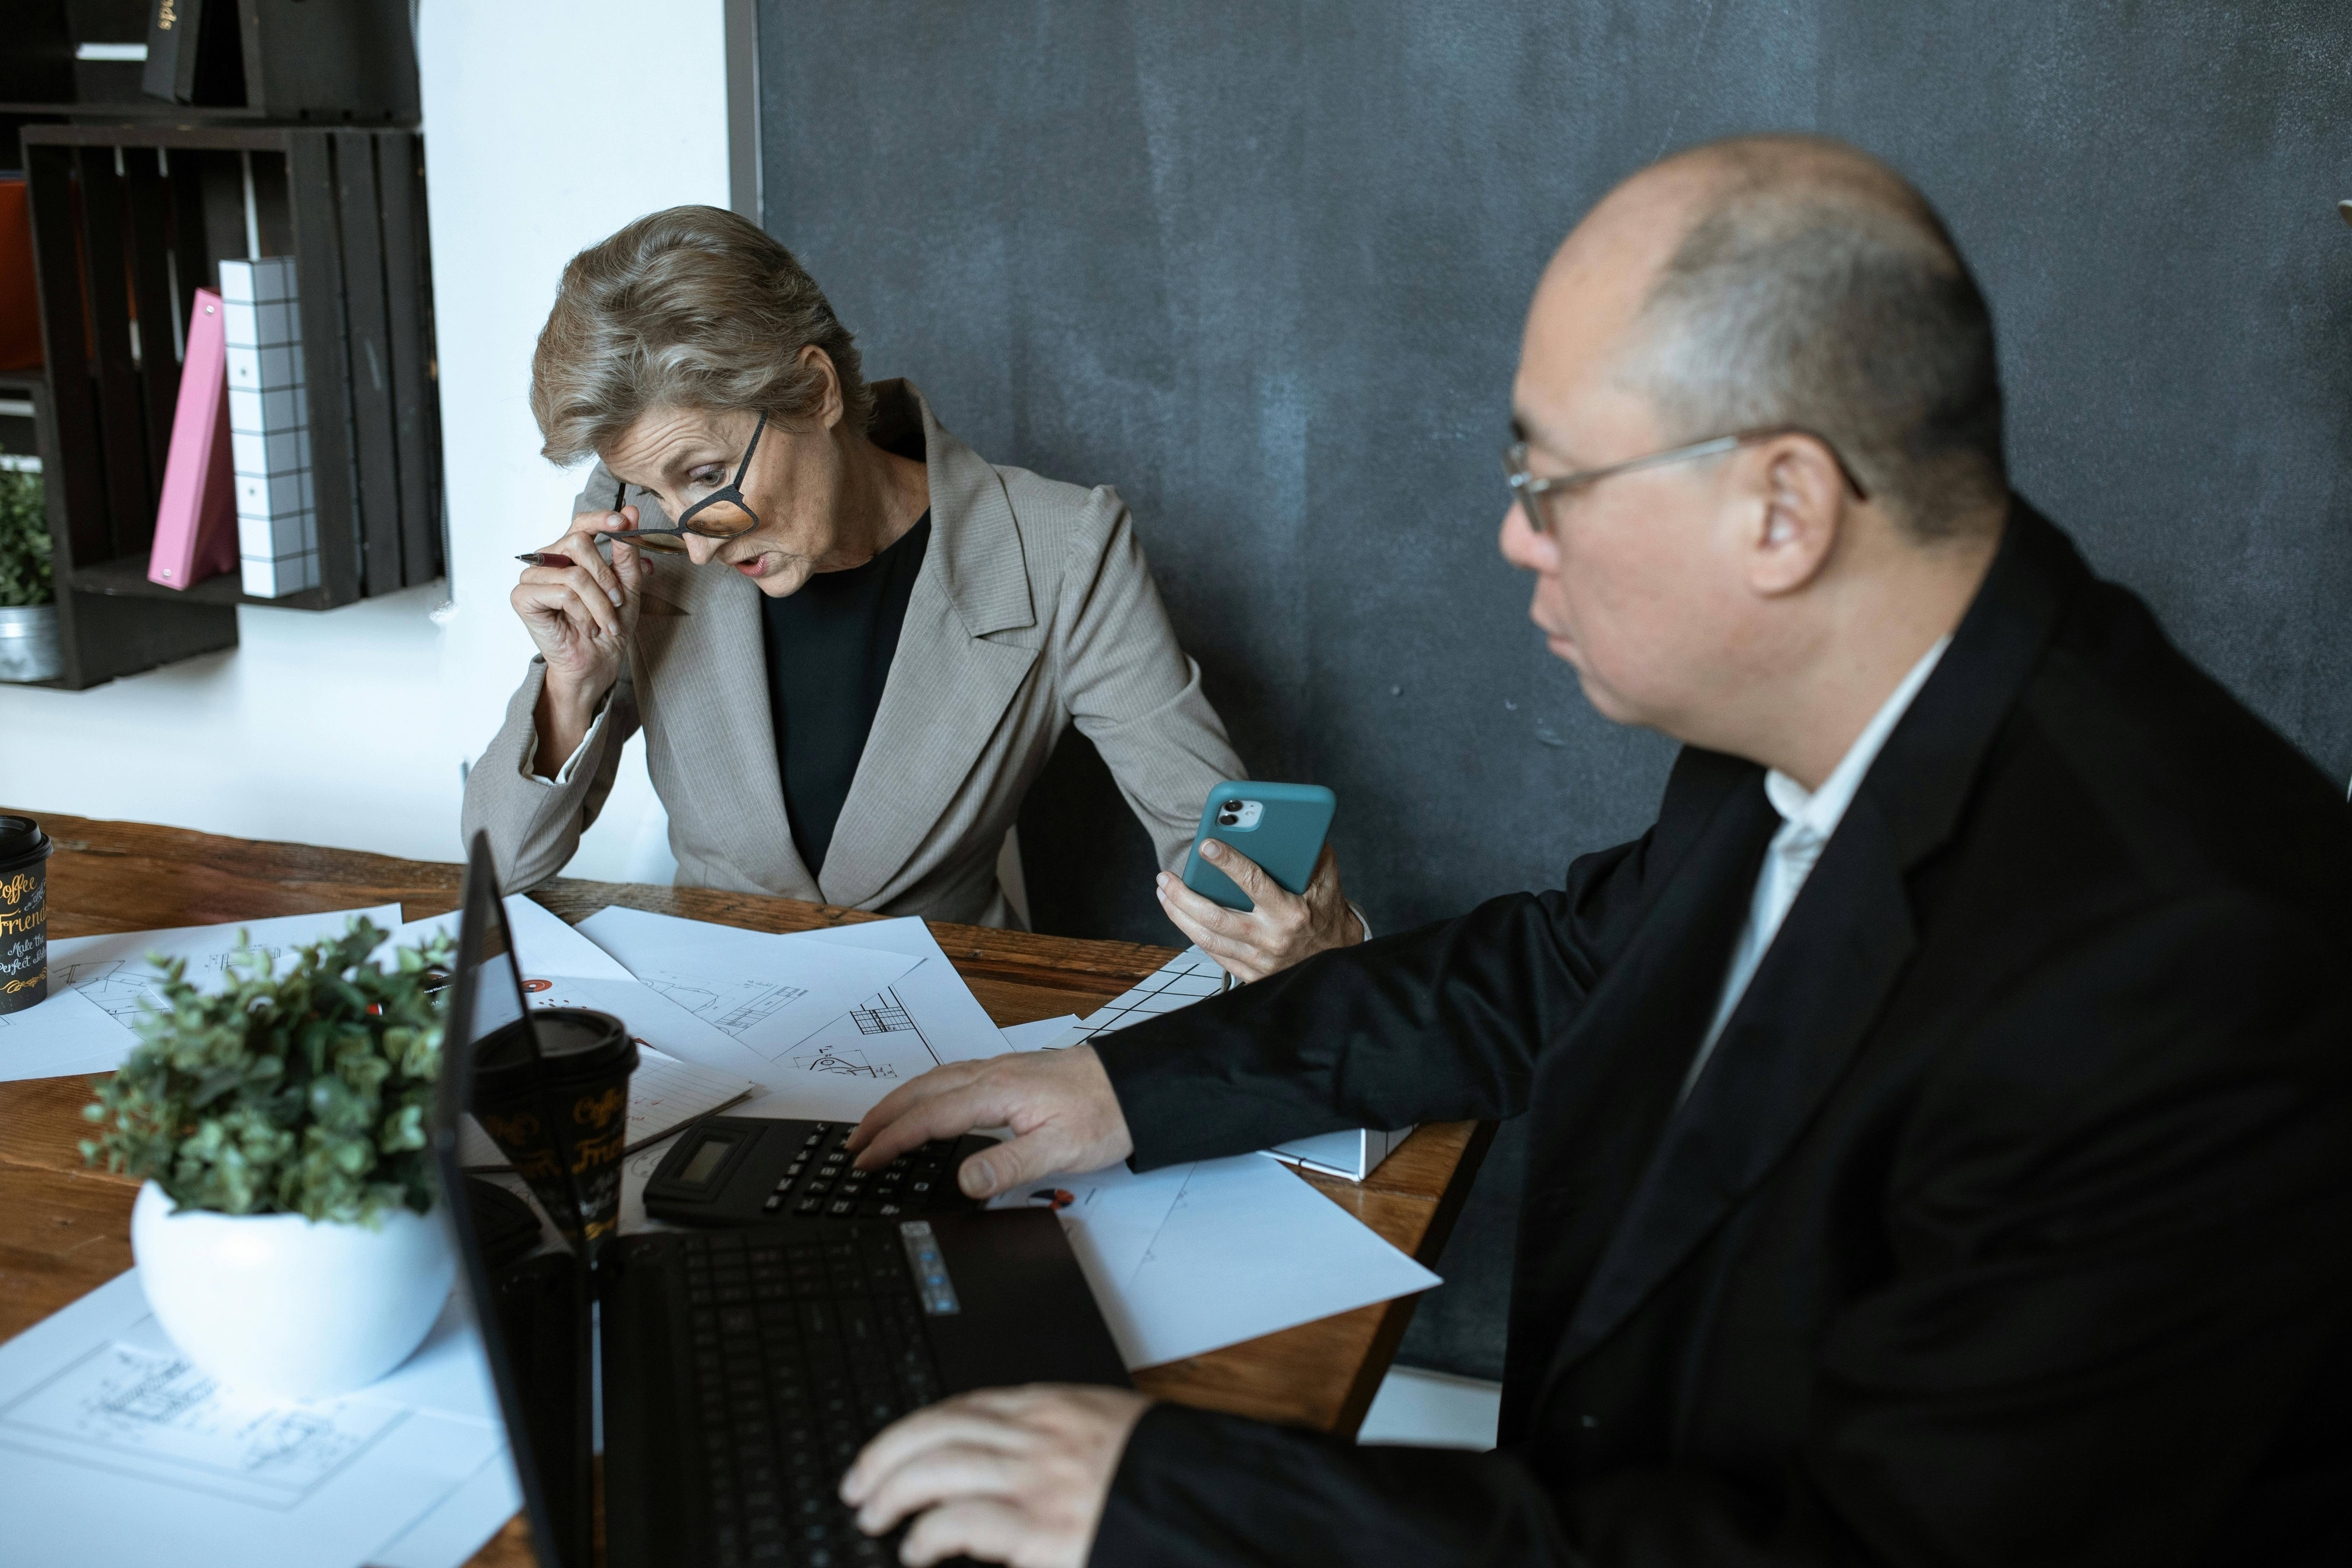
(319, 728)
(548, 126)
(347, 728)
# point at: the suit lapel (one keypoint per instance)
(1606, 1088)
(1810, 1004)
(1845, 942)
(705, 674)
(969, 642)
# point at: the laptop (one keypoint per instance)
(741, 1368)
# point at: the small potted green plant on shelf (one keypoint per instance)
(28, 612)
(285, 1233)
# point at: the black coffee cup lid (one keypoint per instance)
(574, 1044)
(21, 838)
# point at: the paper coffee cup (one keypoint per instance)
(24, 913)
(562, 1119)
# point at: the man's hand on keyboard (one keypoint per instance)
(1059, 1104)
(1006, 1475)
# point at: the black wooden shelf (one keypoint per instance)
(150, 109)
(330, 62)
(129, 219)
(127, 578)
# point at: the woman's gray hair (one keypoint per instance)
(692, 307)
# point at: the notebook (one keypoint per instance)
(270, 423)
(195, 519)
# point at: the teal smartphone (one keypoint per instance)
(1279, 825)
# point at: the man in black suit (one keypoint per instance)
(1943, 1114)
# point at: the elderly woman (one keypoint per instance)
(850, 640)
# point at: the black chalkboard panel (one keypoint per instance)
(1263, 267)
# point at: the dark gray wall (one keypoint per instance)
(1263, 267)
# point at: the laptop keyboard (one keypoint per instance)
(801, 1349)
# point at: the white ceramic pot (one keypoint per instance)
(279, 1306)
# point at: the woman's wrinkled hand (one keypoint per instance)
(1281, 928)
(581, 618)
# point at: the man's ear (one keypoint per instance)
(1798, 507)
(829, 409)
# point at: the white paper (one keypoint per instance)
(542, 940)
(113, 974)
(113, 1442)
(561, 968)
(64, 1033)
(769, 999)
(452, 1531)
(1194, 1257)
(1184, 980)
(952, 1025)
(1039, 1036)
(653, 1019)
(924, 1017)
(664, 1094)
(1189, 977)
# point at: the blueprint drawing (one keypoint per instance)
(737, 1007)
(156, 1413)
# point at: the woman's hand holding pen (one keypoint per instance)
(581, 616)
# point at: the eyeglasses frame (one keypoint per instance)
(1527, 489)
(685, 523)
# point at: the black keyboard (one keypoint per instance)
(801, 1351)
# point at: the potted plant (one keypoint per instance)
(282, 1235)
(28, 612)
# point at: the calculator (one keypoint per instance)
(749, 1169)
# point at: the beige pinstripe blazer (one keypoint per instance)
(1033, 609)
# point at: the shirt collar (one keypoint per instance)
(1817, 812)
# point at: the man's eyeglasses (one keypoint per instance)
(1532, 490)
(722, 514)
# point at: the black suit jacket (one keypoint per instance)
(2010, 1223)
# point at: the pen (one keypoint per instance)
(545, 558)
(661, 543)
(659, 539)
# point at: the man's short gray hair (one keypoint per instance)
(1840, 305)
(690, 307)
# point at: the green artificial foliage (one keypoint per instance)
(304, 1092)
(24, 541)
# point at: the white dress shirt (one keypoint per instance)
(1808, 819)
(570, 764)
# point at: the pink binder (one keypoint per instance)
(196, 521)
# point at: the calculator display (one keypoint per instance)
(705, 1161)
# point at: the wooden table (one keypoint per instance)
(64, 1230)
